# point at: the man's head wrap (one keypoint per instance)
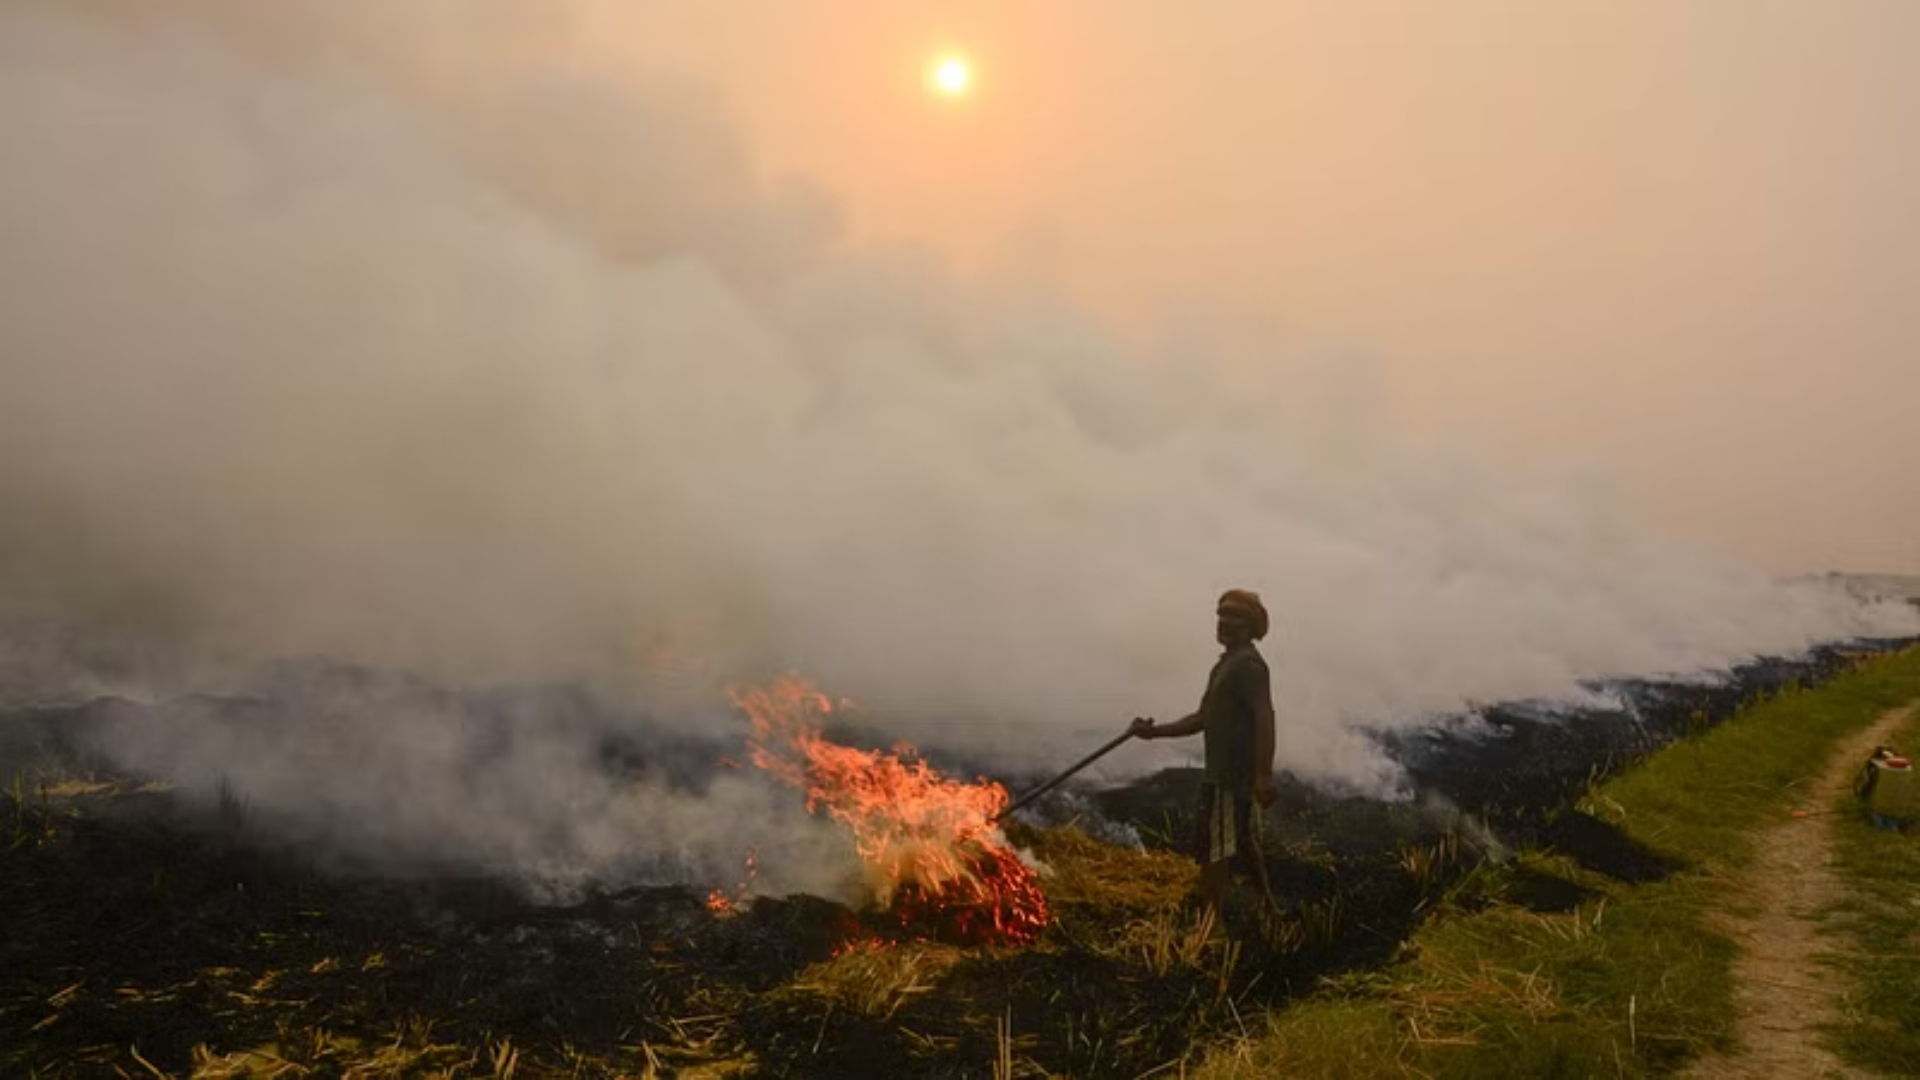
(1246, 607)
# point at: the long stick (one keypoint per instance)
(1058, 780)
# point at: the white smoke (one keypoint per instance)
(392, 334)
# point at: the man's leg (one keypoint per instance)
(1253, 851)
(1222, 842)
(1213, 885)
(1249, 827)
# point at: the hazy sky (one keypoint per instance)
(473, 338)
(1675, 241)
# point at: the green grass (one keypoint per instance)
(1638, 980)
(1704, 798)
(1877, 937)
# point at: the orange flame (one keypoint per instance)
(933, 854)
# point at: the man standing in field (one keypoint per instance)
(1236, 716)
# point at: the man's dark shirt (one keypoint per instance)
(1237, 689)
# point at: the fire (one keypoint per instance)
(934, 856)
(720, 903)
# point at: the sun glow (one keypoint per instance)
(951, 76)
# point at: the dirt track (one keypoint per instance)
(1783, 994)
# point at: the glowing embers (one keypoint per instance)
(720, 902)
(932, 854)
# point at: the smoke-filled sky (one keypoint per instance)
(1672, 239)
(669, 344)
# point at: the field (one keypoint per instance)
(154, 936)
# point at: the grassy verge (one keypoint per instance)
(1877, 937)
(1623, 979)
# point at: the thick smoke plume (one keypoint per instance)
(398, 335)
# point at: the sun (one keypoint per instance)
(951, 76)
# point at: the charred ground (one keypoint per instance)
(137, 923)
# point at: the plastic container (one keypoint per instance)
(1893, 793)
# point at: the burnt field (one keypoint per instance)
(150, 932)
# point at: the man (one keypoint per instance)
(1236, 716)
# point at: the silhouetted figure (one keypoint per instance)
(1236, 716)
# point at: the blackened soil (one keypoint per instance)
(138, 929)
(129, 923)
(1517, 764)
(134, 930)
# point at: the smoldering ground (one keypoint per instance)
(400, 339)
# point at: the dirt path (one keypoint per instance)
(1782, 994)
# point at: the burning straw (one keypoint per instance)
(932, 854)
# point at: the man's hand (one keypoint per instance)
(1264, 792)
(1142, 727)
